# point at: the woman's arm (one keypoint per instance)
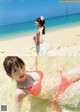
(20, 94)
(32, 65)
(41, 36)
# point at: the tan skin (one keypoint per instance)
(20, 75)
(73, 78)
(37, 38)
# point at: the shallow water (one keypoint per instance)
(35, 104)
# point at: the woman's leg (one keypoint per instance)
(70, 99)
(74, 74)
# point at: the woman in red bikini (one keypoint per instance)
(32, 82)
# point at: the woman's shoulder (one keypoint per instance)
(33, 74)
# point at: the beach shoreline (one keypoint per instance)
(58, 40)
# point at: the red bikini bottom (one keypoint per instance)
(65, 83)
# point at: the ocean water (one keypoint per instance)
(29, 28)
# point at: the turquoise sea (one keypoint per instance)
(29, 27)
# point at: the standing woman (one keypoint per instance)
(41, 46)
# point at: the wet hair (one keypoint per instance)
(12, 62)
(41, 22)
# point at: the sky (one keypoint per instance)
(17, 11)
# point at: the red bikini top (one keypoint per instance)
(35, 89)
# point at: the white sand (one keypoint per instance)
(62, 42)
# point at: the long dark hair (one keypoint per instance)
(41, 22)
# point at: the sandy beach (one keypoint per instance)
(61, 42)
